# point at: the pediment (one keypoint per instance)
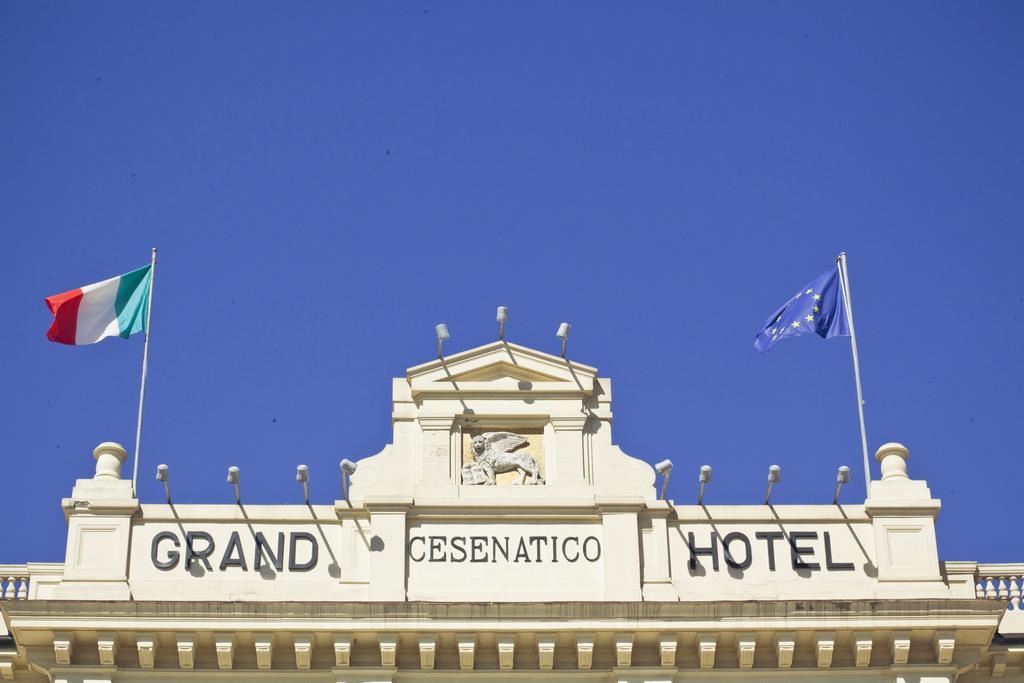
(502, 370)
(501, 367)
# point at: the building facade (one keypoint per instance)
(502, 535)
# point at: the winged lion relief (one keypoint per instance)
(493, 453)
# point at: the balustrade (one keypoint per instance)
(14, 582)
(1001, 582)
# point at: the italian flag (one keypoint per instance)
(114, 307)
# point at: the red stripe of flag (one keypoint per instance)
(65, 316)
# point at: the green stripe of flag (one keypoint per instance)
(132, 301)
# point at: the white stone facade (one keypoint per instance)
(585, 575)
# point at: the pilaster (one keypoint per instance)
(902, 514)
(437, 471)
(621, 568)
(387, 546)
(657, 578)
(567, 467)
(99, 515)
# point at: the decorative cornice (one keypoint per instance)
(61, 615)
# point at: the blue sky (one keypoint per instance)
(326, 181)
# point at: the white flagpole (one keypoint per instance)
(145, 363)
(844, 281)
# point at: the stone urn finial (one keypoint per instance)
(109, 458)
(893, 459)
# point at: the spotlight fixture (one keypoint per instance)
(502, 318)
(161, 475)
(563, 334)
(348, 468)
(302, 476)
(842, 477)
(704, 478)
(233, 480)
(442, 333)
(664, 468)
(774, 477)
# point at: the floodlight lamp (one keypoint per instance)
(348, 468)
(563, 334)
(302, 476)
(442, 333)
(842, 477)
(664, 468)
(162, 476)
(233, 480)
(774, 477)
(705, 477)
(502, 317)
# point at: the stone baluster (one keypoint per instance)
(1000, 585)
(14, 587)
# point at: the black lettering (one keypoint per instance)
(537, 541)
(496, 546)
(423, 554)
(554, 548)
(262, 546)
(458, 544)
(565, 542)
(729, 559)
(172, 555)
(521, 551)
(314, 554)
(796, 552)
(597, 554)
(477, 545)
(202, 555)
(437, 549)
(695, 551)
(770, 537)
(834, 566)
(229, 559)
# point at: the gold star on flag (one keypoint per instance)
(809, 291)
(809, 317)
(816, 309)
(817, 297)
(796, 323)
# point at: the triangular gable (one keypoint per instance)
(501, 366)
(502, 370)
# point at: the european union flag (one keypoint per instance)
(817, 308)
